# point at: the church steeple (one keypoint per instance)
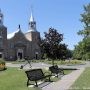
(32, 24)
(1, 18)
(31, 18)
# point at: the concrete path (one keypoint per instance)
(34, 65)
(65, 82)
(43, 65)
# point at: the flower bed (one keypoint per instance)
(2, 64)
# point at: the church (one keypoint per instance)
(18, 45)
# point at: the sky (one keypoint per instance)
(63, 15)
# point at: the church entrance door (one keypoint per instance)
(0, 55)
(36, 55)
(20, 53)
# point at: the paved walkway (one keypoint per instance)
(65, 82)
(43, 65)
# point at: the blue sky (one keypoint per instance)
(63, 15)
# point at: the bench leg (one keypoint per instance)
(36, 84)
(57, 75)
(62, 72)
(27, 82)
(49, 78)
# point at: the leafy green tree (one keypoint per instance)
(78, 51)
(62, 52)
(82, 50)
(86, 20)
(69, 54)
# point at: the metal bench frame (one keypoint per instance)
(36, 75)
(56, 70)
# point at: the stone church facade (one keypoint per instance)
(18, 44)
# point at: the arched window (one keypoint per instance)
(1, 43)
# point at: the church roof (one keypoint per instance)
(11, 35)
(31, 30)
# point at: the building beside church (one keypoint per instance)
(18, 44)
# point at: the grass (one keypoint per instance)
(83, 82)
(60, 62)
(17, 61)
(14, 79)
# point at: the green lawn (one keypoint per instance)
(83, 82)
(60, 62)
(15, 79)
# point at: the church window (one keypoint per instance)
(20, 42)
(0, 21)
(32, 24)
(0, 37)
(0, 55)
(0, 33)
(1, 43)
(11, 45)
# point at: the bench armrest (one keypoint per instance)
(46, 73)
(60, 69)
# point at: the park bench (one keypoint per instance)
(36, 75)
(55, 70)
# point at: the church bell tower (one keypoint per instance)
(3, 37)
(32, 24)
(1, 18)
(32, 34)
(34, 37)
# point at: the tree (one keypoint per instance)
(52, 46)
(79, 51)
(62, 51)
(69, 54)
(86, 20)
(82, 50)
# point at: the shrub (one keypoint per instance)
(2, 64)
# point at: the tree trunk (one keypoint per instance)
(53, 62)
